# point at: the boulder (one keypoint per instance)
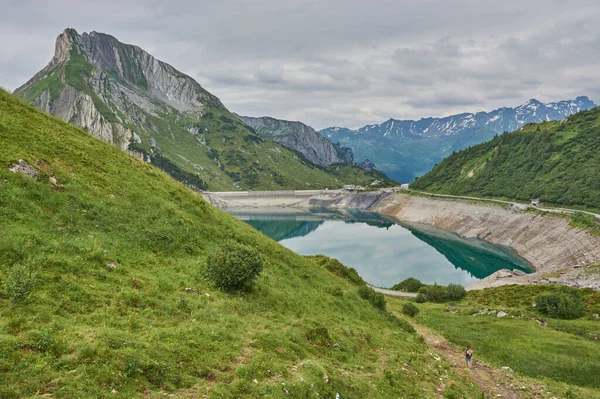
(503, 273)
(24, 169)
(501, 314)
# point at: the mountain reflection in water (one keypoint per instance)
(382, 251)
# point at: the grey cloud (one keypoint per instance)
(341, 62)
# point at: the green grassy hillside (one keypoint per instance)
(560, 354)
(119, 306)
(557, 162)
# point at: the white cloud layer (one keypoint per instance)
(345, 63)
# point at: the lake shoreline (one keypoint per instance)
(560, 253)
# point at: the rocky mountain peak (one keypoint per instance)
(62, 48)
(135, 67)
(367, 165)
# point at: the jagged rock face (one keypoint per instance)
(123, 95)
(302, 138)
(95, 69)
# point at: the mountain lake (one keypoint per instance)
(382, 250)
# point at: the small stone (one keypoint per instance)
(595, 315)
(501, 314)
(336, 345)
(207, 295)
(112, 265)
(111, 196)
(53, 181)
(326, 379)
(255, 381)
(114, 392)
(507, 368)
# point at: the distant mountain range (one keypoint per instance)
(122, 94)
(405, 149)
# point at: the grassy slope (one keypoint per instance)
(88, 329)
(563, 354)
(555, 161)
(235, 153)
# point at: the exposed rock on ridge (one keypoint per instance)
(123, 95)
(549, 243)
(302, 138)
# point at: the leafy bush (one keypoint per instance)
(455, 292)
(336, 267)
(410, 309)
(411, 284)
(566, 303)
(318, 335)
(434, 293)
(19, 283)
(234, 266)
(375, 298)
(439, 293)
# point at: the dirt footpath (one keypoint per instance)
(493, 382)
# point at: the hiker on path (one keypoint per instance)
(468, 356)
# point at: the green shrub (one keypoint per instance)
(318, 335)
(19, 283)
(336, 267)
(566, 303)
(455, 292)
(410, 309)
(434, 293)
(439, 293)
(234, 266)
(411, 284)
(375, 298)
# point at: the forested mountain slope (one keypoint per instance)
(557, 162)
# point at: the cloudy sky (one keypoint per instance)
(337, 63)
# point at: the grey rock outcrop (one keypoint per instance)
(367, 165)
(25, 169)
(94, 70)
(302, 138)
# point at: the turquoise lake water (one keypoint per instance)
(381, 250)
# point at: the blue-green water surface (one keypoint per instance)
(382, 251)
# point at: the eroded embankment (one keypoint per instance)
(559, 252)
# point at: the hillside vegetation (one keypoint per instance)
(550, 357)
(103, 291)
(557, 162)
